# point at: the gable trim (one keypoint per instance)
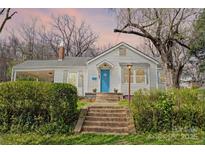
(105, 61)
(126, 45)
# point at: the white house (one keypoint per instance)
(106, 72)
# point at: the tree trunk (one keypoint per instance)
(173, 76)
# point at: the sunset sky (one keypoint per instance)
(102, 21)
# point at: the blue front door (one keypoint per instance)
(105, 81)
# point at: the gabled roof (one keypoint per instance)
(128, 46)
(68, 61)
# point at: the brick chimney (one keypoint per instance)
(61, 52)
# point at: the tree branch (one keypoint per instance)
(130, 32)
(159, 27)
(7, 17)
(182, 44)
(1, 12)
(148, 25)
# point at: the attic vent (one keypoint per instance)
(122, 51)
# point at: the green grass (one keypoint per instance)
(93, 139)
(83, 104)
(169, 138)
(124, 102)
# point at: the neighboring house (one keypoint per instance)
(106, 72)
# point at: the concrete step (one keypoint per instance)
(106, 114)
(97, 118)
(108, 94)
(108, 97)
(107, 100)
(110, 110)
(107, 106)
(107, 133)
(105, 123)
(105, 129)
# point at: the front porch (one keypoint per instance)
(33, 75)
(104, 97)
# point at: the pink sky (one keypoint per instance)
(102, 21)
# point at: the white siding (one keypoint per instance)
(61, 75)
(115, 72)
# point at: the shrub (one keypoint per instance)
(35, 106)
(158, 110)
(26, 78)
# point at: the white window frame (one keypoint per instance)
(77, 75)
(122, 74)
(145, 75)
(134, 75)
(159, 76)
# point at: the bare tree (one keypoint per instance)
(28, 34)
(9, 55)
(7, 16)
(169, 30)
(77, 39)
(34, 43)
(83, 40)
(51, 39)
(65, 27)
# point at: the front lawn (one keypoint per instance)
(138, 139)
(83, 104)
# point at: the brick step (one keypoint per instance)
(108, 110)
(105, 129)
(96, 118)
(106, 114)
(107, 133)
(108, 94)
(107, 107)
(105, 123)
(107, 102)
(108, 98)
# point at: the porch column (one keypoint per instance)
(14, 76)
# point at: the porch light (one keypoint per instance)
(129, 66)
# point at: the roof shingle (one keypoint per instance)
(68, 61)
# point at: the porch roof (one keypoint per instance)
(67, 61)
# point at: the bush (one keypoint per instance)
(26, 78)
(173, 109)
(37, 106)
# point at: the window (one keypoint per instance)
(80, 80)
(122, 51)
(140, 75)
(72, 78)
(161, 77)
(125, 73)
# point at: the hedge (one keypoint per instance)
(174, 109)
(37, 106)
